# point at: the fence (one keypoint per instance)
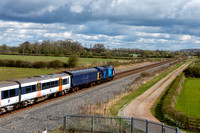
(83, 123)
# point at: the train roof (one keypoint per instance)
(39, 78)
(76, 72)
(104, 67)
(7, 83)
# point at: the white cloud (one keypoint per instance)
(185, 37)
(59, 35)
(76, 9)
(156, 35)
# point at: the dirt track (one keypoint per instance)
(142, 105)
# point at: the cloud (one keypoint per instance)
(147, 24)
(76, 9)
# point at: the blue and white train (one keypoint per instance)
(22, 92)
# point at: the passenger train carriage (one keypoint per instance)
(21, 92)
(25, 91)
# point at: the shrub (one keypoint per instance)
(26, 64)
(10, 63)
(2, 63)
(40, 64)
(55, 64)
(73, 61)
(18, 63)
(192, 72)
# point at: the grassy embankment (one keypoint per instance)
(189, 99)
(82, 61)
(129, 97)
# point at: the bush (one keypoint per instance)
(55, 64)
(192, 72)
(18, 63)
(26, 64)
(73, 61)
(40, 64)
(2, 63)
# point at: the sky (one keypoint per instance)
(142, 24)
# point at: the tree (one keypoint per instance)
(198, 54)
(73, 61)
(25, 47)
(5, 48)
(99, 48)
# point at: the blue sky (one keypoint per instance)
(143, 24)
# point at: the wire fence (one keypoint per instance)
(95, 124)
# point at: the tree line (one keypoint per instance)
(68, 47)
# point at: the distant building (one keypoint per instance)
(189, 50)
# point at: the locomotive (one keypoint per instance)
(19, 93)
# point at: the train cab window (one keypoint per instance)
(52, 84)
(5, 94)
(33, 88)
(64, 81)
(12, 93)
(56, 83)
(48, 85)
(28, 89)
(44, 86)
(67, 80)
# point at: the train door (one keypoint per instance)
(60, 84)
(98, 76)
(0, 97)
(38, 89)
(105, 74)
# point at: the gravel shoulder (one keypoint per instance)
(142, 105)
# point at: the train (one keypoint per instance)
(18, 93)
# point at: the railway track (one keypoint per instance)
(140, 69)
(118, 76)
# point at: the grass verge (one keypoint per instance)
(113, 109)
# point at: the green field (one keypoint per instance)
(189, 98)
(50, 58)
(12, 72)
(196, 64)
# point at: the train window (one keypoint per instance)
(5, 94)
(56, 83)
(52, 84)
(64, 81)
(44, 86)
(67, 80)
(17, 92)
(23, 90)
(33, 88)
(48, 85)
(12, 93)
(28, 89)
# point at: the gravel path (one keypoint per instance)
(142, 105)
(50, 114)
